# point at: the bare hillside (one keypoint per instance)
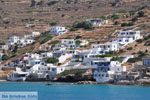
(17, 15)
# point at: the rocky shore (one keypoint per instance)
(141, 82)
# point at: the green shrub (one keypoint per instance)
(5, 57)
(104, 17)
(139, 41)
(134, 19)
(130, 48)
(117, 59)
(77, 60)
(51, 60)
(140, 14)
(133, 60)
(33, 2)
(130, 24)
(52, 3)
(78, 42)
(127, 24)
(132, 12)
(78, 37)
(53, 23)
(114, 17)
(123, 11)
(46, 39)
(105, 55)
(124, 24)
(54, 42)
(40, 51)
(85, 25)
(2, 43)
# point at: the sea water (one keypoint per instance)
(59, 91)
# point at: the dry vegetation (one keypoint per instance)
(16, 14)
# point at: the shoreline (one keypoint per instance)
(88, 83)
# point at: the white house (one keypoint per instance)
(23, 42)
(46, 71)
(106, 47)
(84, 43)
(29, 41)
(84, 56)
(68, 43)
(126, 37)
(146, 62)
(35, 34)
(57, 30)
(97, 22)
(17, 75)
(107, 70)
(13, 39)
(62, 56)
(4, 47)
(46, 54)
(1, 54)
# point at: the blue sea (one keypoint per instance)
(79, 92)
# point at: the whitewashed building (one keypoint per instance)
(126, 37)
(23, 42)
(107, 70)
(34, 34)
(84, 43)
(4, 47)
(1, 54)
(62, 56)
(13, 40)
(146, 62)
(68, 43)
(106, 47)
(57, 30)
(97, 22)
(46, 72)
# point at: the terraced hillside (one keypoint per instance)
(18, 17)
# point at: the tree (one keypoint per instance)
(85, 25)
(15, 49)
(134, 19)
(123, 24)
(5, 57)
(78, 42)
(51, 60)
(33, 2)
(141, 14)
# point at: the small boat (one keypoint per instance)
(48, 84)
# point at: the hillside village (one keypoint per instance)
(113, 48)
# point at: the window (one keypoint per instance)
(53, 69)
(95, 75)
(99, 75)
(91, 63)
(107, 75)
(119, 40)
(126, 40)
